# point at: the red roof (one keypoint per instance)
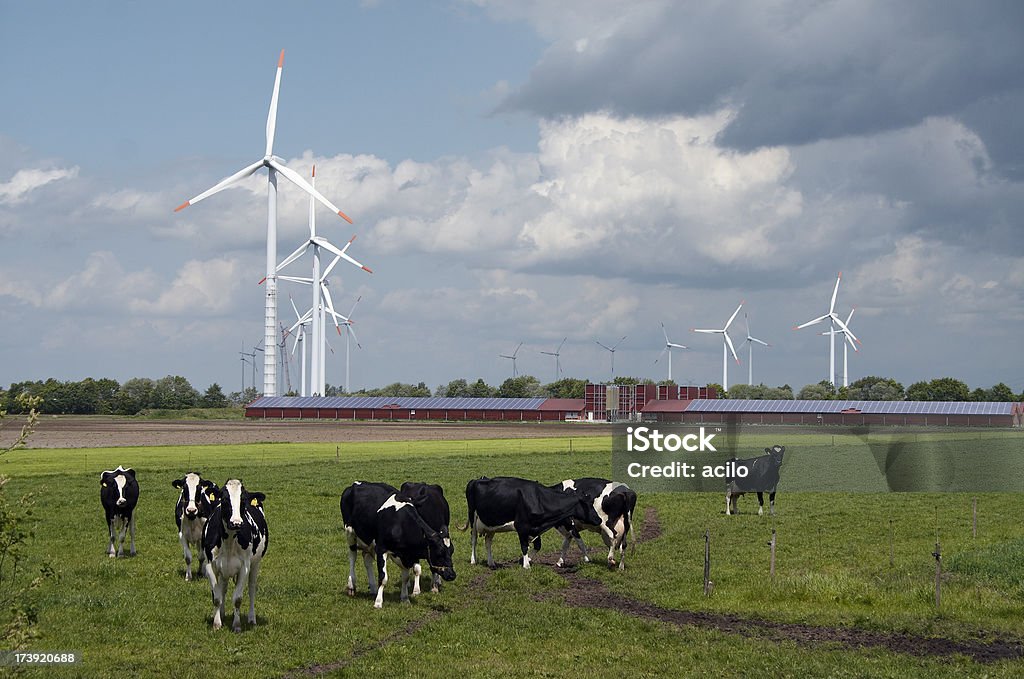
(568, 405)
(666, 406)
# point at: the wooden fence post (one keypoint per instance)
(938, 574)
(771, 544)
(708, 585)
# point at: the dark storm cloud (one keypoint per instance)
(796, 72)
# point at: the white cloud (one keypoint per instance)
(25, 181)
(202, 287)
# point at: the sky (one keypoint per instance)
(518, 171)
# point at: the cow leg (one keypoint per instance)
(435, 583)
(728, 503)
(254, 572)
(220, 587)
(236, 598)
(188, 556)
(771, 503)
(122, 529)
(417, 570)
(404, 596)
(566, 540)
(371, 575)
(382, 579)
(760, 503)
(524, 546)
(488, 538)
(351, 586)
(472, 545)
(131, 530)
(113, 532)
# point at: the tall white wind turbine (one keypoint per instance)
(321, 295)
(834, 321)
(515, 371)
(274, 167)
(611, 350)
(350, 334)
(750, 341)
(557, 354)
(669, 346)
(300, 341)
(726, 346)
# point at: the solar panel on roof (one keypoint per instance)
(866, 407)
(410, 402)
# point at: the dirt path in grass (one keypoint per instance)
(589, 593)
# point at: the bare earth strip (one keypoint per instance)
(105, 432)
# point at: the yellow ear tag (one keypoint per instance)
(254, 502)
(213, 498)
(104, 485)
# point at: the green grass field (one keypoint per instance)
(137, 616)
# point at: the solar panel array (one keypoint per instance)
(411, 402)
(867, 407)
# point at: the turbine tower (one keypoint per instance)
(274, 167)
(750, 350)
(300, 341)
(726, 346)
(320, 292)
(515, 371)
(612, 349)
(846, 341)
(668, 348)
(834, 321)
(557, 353)
(350, 334)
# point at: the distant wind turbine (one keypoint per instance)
(611, 349)
(726, 346)
(668, 349)
(834, 321)
(846, 341)
(750, 350)
(515, 371)
(557, 353)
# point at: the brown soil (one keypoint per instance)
(103, 432)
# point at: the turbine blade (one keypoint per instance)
(619, 342)
(222, 184)
(330, 267)
(348, 326)
(852, 344)
(272, 116)
(677, 346)
(665, 333)
(819, 319)
(661, 354)
(330, 307)
(761, 342)
(835, 291)
(851, 315)
(325, 244)
(842, 326)
(560, 345)
(295, 178)
(731, 347)
(733, 316)
(603, 346)
(299, 251)
(710, 332)
(354, 305)
(297, 315)
(295, 279)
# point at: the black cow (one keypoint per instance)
(762, 477)
(379, 520)
(505, 504)
(614, 504)
(432, 506)
(119, 493)
(359, 505)
(234, 542)
(195, 504)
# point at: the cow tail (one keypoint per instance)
(632, 537)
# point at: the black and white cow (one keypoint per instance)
(234, 542)
(762, 477)
(614, 504)
(359, 505)
(195, 504)
(505, 504)
(430, 503)
(119, 493)
(392, 527)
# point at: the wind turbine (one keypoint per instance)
(846, 341)
(320, 291)
(834, 321)
(557, 353)
(668, 348)
(350, 333)
(750, 350)
(300, 340)
(515, 371)
(274, 167)
(726, 346)
(612, 349)
(252, 360)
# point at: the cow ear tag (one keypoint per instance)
(104, 484)
(212, 497)
(254, 502)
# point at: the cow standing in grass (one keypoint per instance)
(119, 493)
(614, 504)
(430, 503)
(235, 541)
(359, 505)
(762, 477)
(196, 503)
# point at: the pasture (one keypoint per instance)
(836, 606)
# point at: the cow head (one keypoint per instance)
(776, 452)
(439, 556)
(234, 499)
(113, 484)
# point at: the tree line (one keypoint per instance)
(109, 397)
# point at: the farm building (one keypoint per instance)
(415, 408)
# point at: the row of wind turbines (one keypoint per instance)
(837, 326)
(322, 304)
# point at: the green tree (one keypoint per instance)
(918, 391)
(567, 387)
(481, 389)
(822, 391)
(524, 386)
(760, 392)
(174, 393)
(214, 397)
(722, 393)
(874, 388)
(455, 389)
(1001, 392)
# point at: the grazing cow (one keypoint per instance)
(234, 542)
(379, 520)
(432, 506)
(614, 504)
(359, 505)
(195, 504)
(762, 477)
(505, 504)
(119, 493)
